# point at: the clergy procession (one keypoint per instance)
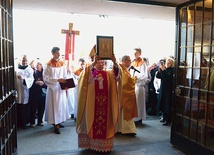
(105, 95)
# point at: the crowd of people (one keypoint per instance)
(106, 100)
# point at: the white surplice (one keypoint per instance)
(56, 105)
(140, 90)
(72, 95)
(23, 89)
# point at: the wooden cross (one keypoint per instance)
(71, 35)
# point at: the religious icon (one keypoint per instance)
(105, 47)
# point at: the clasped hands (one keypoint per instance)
(61, 80)
(40, 83)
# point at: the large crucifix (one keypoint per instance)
(70, 39)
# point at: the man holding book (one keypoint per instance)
(55, 73)
(98, 107)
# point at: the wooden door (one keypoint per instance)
(193, 119)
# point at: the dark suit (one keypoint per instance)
(152, 94)
(37, 99)
(166, 89)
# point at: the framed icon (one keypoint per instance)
(105, 47)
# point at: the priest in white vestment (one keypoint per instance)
(24, 80)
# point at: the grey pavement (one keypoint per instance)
(152, 139)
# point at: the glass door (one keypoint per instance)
(193, 106)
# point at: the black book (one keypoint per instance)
(69, 84)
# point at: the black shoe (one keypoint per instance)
(166, 124)
(162, 120)
(40, 124)
(138, 122)
(61, 126)
(130, 134)
(56, 130)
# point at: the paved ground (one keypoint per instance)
(152, 139)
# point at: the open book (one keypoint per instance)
(68, 84)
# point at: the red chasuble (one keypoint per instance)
(101, 105)
(98, 109)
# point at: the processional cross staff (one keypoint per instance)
(69, 44)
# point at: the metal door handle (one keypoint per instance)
(177, 91)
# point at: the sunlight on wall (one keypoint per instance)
(36, 32)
